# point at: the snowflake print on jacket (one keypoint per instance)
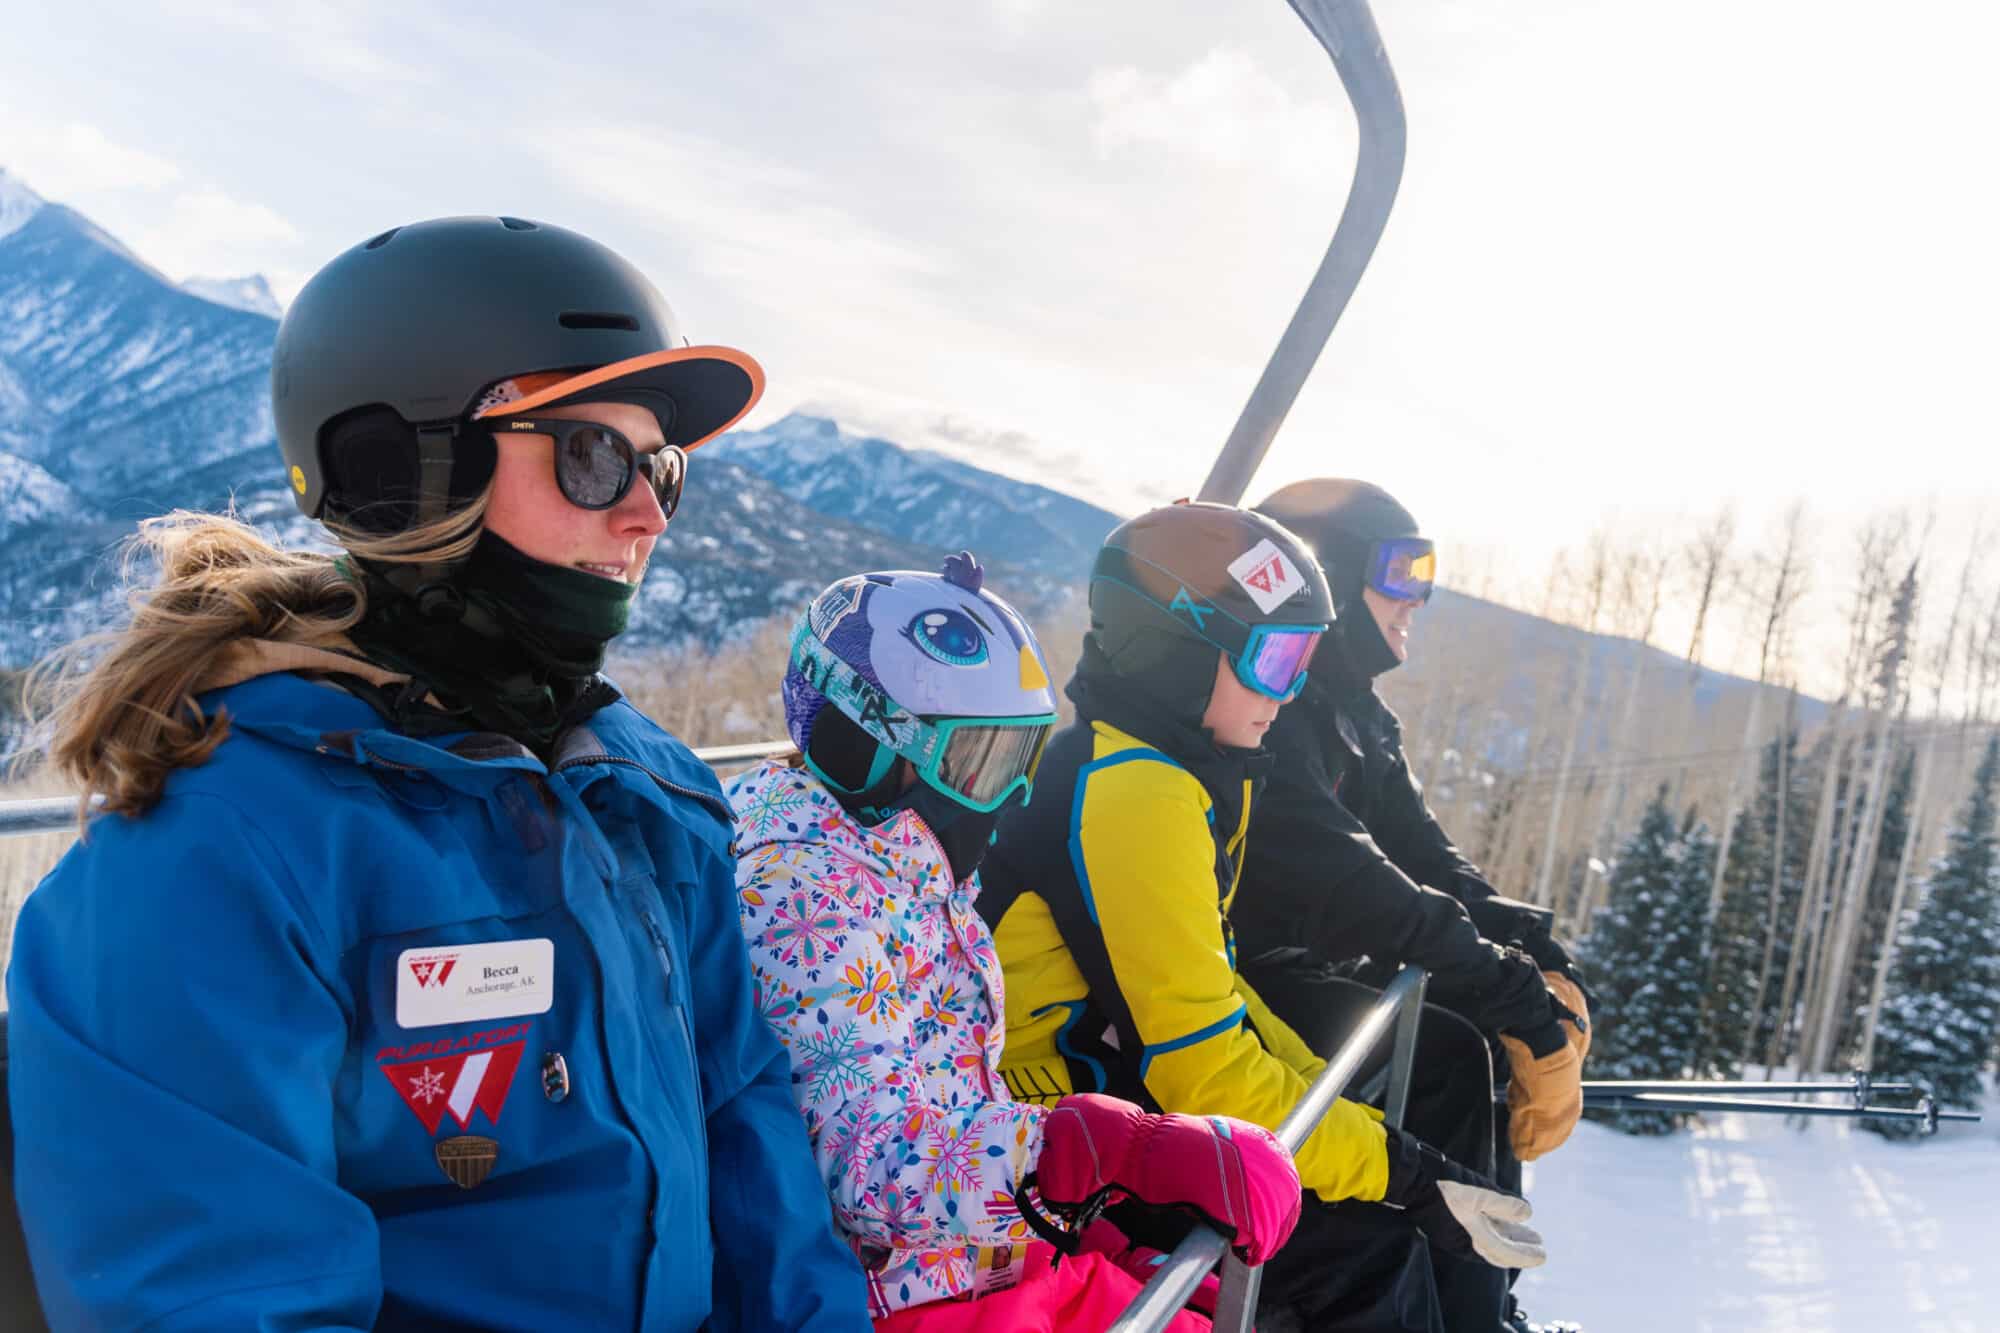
(878, 975)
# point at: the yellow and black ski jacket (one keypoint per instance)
(1109, 897)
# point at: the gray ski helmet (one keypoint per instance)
(1343, 519)
(1353, 526)
(385, 350)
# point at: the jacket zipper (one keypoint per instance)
(659, 939)
(707, 800)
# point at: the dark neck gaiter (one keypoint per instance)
(516, 650)
(1357, 643)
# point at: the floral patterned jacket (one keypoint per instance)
(877, 974)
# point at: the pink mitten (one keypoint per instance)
(1141, 1261)
(1235, 1175)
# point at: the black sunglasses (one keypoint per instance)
(596, 466)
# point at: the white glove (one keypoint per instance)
(1495, 1224)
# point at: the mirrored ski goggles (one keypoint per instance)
(596, 465)
(1404, 568)
(1274, 662)
(978, 762)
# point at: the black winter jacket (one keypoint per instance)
(1348, 861)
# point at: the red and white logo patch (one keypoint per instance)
(1265, 573)
(458, 1083)
(434, 970)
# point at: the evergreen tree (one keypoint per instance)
(1646, 958)
(1736, 946)
(1939, 1017)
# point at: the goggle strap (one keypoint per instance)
(1197, 614)
(885, 759)
(867, 705)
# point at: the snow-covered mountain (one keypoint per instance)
(18, 203)
(123, 395)
(923, 497)
(252, 293)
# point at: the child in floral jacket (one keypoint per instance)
(855, 887)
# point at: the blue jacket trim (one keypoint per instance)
(1076, 814)
(1075, 1008)
(1214, 1029)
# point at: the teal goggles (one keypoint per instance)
(1269, 659)
(978, 762)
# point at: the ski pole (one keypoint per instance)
(1859, 1088)
(1925, 1111)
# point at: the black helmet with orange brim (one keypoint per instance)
(391, 349)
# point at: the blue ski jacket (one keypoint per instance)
(358, 1030)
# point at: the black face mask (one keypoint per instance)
(964, 833)
(507, 643)
(1357, 640)
(561, 620)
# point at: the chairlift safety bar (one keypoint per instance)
(1167, 1291)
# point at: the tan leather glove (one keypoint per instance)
(1571, 996)
(1545, 1095)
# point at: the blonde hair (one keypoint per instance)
(118, 708)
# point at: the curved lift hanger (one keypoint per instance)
(1347, 30)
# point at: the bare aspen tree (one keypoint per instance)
(1809, 888)
(1707, 558)
(1962, 613)
(1881, 542)
(1596, 575)
(1785, 579)
(1867, 822)
(1987, 655)
(1642, 584)
(1707, 573)
(1821, 860)
(1778, 861)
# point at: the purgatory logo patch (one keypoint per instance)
(455, 1078)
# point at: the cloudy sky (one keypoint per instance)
(1648, 259)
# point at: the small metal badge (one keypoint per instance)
(555, 1076)
(467, 1159)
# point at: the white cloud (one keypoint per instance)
(1224, 109)
(229, 222)
(774, 234)
(323, 39)
(204, 231)
(62, 161)
(867, 409)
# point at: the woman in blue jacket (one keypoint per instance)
(400, 984)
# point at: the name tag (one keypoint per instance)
(464, 983)
(998, 1268)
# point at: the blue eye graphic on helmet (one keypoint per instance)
(949, 636)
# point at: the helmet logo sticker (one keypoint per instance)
(833, 605)
(298, 479)
(1184, 604)
(1266, 575)
(948, 636)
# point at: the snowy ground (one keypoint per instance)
(1744, 1223)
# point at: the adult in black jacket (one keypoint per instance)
(1348, 863)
